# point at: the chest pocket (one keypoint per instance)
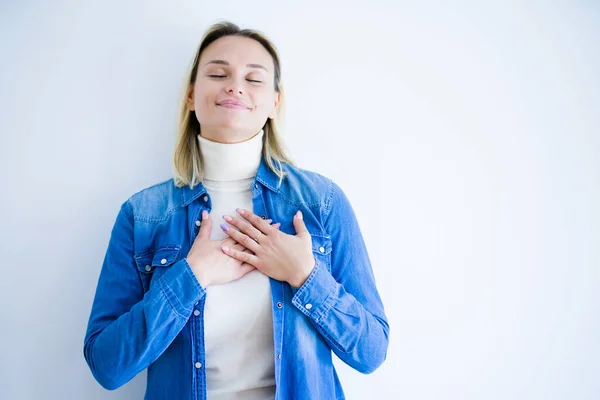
(154, 263)
(321, 247)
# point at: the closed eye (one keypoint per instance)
(223, 76)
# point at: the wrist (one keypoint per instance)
(299, 280)
(203, 281)
(201, 277)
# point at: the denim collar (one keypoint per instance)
(264, 176)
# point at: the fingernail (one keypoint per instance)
(224, 227)
(299, 214)
(204, 214)
(225, 248)
(269, 220)
(240, 211)
(227, 218)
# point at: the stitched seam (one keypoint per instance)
(314, 204)
(329, 198)
(168, 214)
(306, 284)
(327, 305)
(168, 297)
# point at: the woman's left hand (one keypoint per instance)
(284, 257)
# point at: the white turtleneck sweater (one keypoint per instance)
(238, 324)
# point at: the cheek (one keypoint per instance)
(263, 102)
(204, 104)
(206, 94)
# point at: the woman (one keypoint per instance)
(237, 308)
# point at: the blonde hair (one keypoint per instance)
(187, 157)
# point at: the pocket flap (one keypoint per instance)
(160, 258)
(165, 257)
(321, 245)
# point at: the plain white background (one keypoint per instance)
(467, 138)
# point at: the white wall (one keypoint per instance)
(466, 136)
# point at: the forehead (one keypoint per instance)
(238, 51)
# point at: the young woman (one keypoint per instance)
(252, 304)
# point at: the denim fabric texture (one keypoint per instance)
(143, 310)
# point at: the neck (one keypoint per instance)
(231, 161)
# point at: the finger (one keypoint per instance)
(240, 255)
(229, 242)
(241, 238)
(238, 246)
(206, 226)
(242, 226)
(256, 221)
(245, 268)
(275, 225)
(299, 225)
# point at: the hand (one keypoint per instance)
(284, 257)
(209, 264)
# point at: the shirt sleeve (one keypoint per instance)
(344, 304)
(129, 329)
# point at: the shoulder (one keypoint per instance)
(155, 201)
(298, 175)
(307, 186)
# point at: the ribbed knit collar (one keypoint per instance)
(231, 161)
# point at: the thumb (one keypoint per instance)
(299, 225)
(206, 226)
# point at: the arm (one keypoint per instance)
(127, 329)
(344, 305)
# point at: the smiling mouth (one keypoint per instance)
(233, 106)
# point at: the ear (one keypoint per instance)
(189, 98)
(273, 113)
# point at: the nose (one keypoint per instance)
(234, 87)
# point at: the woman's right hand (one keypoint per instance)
(208, 262)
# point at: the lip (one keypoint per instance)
(233, 104)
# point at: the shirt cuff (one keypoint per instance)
(316, 296)
(182, 289)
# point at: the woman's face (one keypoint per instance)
(233, 70)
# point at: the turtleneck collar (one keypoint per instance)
(231, 161)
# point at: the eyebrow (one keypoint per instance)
(223, 62)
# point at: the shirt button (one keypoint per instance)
(255, 186)
(279, 304)
(278, 356)
(198, 365)
(163, 261)
(263, 217)
(198, 223)
(205, 198)
(196, 313)
(308, 306)
(322, 249)
(148, 268)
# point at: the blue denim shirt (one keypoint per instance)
(142, 314)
